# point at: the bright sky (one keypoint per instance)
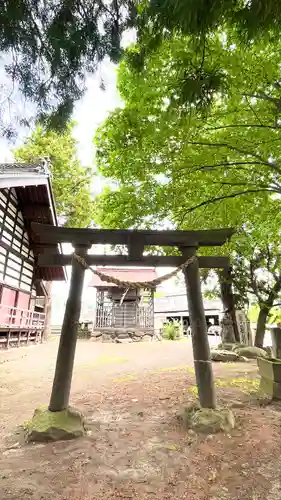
(95, 106)
(89, 113)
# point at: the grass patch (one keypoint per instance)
(108, 360)
(171, 447)
(189, 369)
(168, 370)
(129, 377)
(246, 385)
(125, 378)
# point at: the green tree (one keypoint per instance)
(256, 267)
(231, 150)
(166, 158)
(71, 181)
(256, 258)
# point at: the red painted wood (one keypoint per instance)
(22, 303)
(23, 300)
(8, 298)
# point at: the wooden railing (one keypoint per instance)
(115, 316)
(22, 319)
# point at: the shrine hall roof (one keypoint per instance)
(122, 274)
(33, 187)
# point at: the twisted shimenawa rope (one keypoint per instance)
(135, 285)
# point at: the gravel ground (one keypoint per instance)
(135, 448)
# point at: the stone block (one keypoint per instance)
(147, 338)
(270, 372)
(270, 369)
(251, 352)
(270, 388)
(226, 347)
(208, 420)
(224, 356)
(55, 426)
(276, 341)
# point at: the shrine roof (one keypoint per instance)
(33, 187)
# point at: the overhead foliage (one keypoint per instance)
(197, 17)
(159, 20)
(199, 166)
(49, 47)
(167, 158)
(71, 181)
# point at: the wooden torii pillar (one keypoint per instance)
(187, 241)
(66, 353)
(200, 343)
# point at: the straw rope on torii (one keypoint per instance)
(135, 285)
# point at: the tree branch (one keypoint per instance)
(238, 150)
(245, 125)
(264, 97)
(274, 292)
(238, 164)
(229, 164)
(263, 186)
(253, 281)
(253, 110)
(225, 197)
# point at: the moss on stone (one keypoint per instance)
(226, 346)
(208, 420)
(224, 356)
(251, 352)
(55, 426)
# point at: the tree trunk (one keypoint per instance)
(48, 311)
(66, 353)
(262, 317)
(228, 299)
(200, 343)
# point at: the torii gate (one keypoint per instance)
(45, 237)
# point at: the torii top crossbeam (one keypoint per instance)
(46, 234)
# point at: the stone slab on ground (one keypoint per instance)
(224, 356)
(251, 352)
(123, 335)
(226, 346)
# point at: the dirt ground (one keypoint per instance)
(136, 447)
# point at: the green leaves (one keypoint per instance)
(52, 45)
(71, 181)
(190, 157)
(216, 165)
